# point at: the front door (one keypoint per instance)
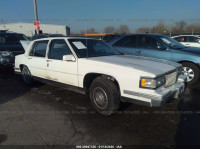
(57, 69)
(153, 48)
(193, 41)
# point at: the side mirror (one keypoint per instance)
(69, 58)
(161, 47)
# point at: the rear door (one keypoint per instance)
(36, 59)
(128, 45)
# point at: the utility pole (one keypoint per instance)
(36, 14)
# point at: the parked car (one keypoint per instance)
(39, 36)
(10, 46)
(162, 47)
(188, 40)
(112, 36)
(93, 67)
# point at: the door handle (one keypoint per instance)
(49, 60)
(139, 52)
(29, 57)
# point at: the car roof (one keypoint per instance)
(186, 35)
(50, 38)
(111, 42)
(10, 33)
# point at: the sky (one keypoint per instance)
(83, 14)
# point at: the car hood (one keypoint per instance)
(191, 49)
(151, 65)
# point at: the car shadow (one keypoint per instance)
(188, 130)
(3, 137)
(11, 85)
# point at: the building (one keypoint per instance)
(28, 28)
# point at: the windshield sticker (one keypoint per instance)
(166, 41)
(79, 45)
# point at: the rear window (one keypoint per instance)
(11, 39)
(39, 48)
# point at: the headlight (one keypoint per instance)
(152, 83)
(5, 53)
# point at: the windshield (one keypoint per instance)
(170, 42)
(91, 48)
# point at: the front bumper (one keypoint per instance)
(161, 96)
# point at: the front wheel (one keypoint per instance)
(104, 96)
(192, 72)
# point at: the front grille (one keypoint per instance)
(171, 78)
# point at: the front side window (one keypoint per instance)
(92, 48)
(128, 41)
(193, 39)
(39, 48)
(58, 48)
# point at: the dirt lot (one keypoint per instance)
(47, 115)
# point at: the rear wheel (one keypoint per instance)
(192, 72)
(27, 75)
(104, 96)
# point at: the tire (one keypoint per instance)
(192, 72)
(27, 76)
(105, 96)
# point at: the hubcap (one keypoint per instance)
(100, 98)
(189, 73)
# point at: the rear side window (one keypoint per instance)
(180, 39)
(39, 48)
(58, 48)
(128, 41)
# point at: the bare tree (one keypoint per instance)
(192, 28)
(180, 26)
(143, 30)
(177, 28)
(90, 30)
(82, 32)
(109, 29)
(159, 28)
(123, 29)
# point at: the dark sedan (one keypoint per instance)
(9, 47)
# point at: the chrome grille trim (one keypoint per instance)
(171, 78)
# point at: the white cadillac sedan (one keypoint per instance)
(93, 67)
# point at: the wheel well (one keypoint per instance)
(88, 79)
(21, 67)
(189, 62)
